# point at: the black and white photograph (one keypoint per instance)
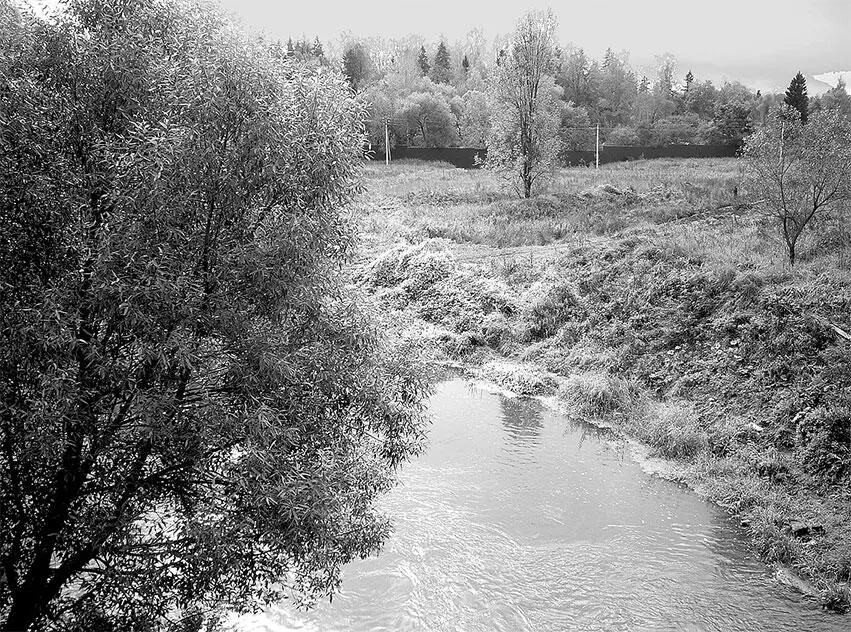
(425, 316)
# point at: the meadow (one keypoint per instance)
(654, 297)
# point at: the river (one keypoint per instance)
(517, 518)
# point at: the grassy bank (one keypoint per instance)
(651, 297)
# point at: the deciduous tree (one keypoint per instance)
(523, 145)
(428, 115)
(732, 123)
(475, 119)
(800, 172)
(192, 412)
(838, 99)
(356, 65)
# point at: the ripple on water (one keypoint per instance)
(519, 519)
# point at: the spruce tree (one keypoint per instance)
(465, 64)
(318, 51)
(796, 96)
(440, 72)
(425, 66)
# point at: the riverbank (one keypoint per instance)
(649, 298)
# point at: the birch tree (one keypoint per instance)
(523, 144)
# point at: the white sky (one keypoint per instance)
(760, 42)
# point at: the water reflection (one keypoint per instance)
(521, 420)
(517, 519)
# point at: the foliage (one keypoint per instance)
(599, 394)
(356, 65)
(194, 412)
(618, 88)
(523, 144)
(549, 304)
(475, 119)
(800, 172)
(623, 135)
(732, 123)
(305, 51)
(837, 98)
(575, 129)
(796, 96)
(677, 129)
(578, 76)
(440, 71)
(429, 115)
(423, 63)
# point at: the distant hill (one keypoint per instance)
(832, 78)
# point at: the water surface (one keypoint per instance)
(518, 519)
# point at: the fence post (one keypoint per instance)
(386, 142)
(598, 147)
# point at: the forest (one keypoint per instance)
(437, 93)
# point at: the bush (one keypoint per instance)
(600, 394)
(549, 304)
(674, 431)
(518, 379)
(826, 438)
(495, 329)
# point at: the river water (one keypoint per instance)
(517, 518)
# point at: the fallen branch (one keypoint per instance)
(839, 331)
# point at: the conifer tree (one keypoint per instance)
(465, 64)
(318, 51)
(440, 72)
(796, 96)
(423, 62)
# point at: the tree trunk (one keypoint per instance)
(792, 253)
(26, 608)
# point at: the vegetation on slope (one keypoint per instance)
(659, 304)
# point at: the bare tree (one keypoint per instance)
(524, 144)
(800, 171)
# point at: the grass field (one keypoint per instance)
(652, 295)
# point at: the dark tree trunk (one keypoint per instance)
(26, 608)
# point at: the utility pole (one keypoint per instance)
(598, 146)
(386, 142)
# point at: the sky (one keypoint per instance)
(762, 43)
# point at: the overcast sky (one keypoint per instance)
(760, 42)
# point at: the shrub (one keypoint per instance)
(517, 378)
(495, 329)
(599, 394)
(547, 305)
(674, 431)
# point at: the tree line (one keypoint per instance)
(439, 94)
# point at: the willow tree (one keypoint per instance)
(800, 172)
(523, 144)
(192, 412)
